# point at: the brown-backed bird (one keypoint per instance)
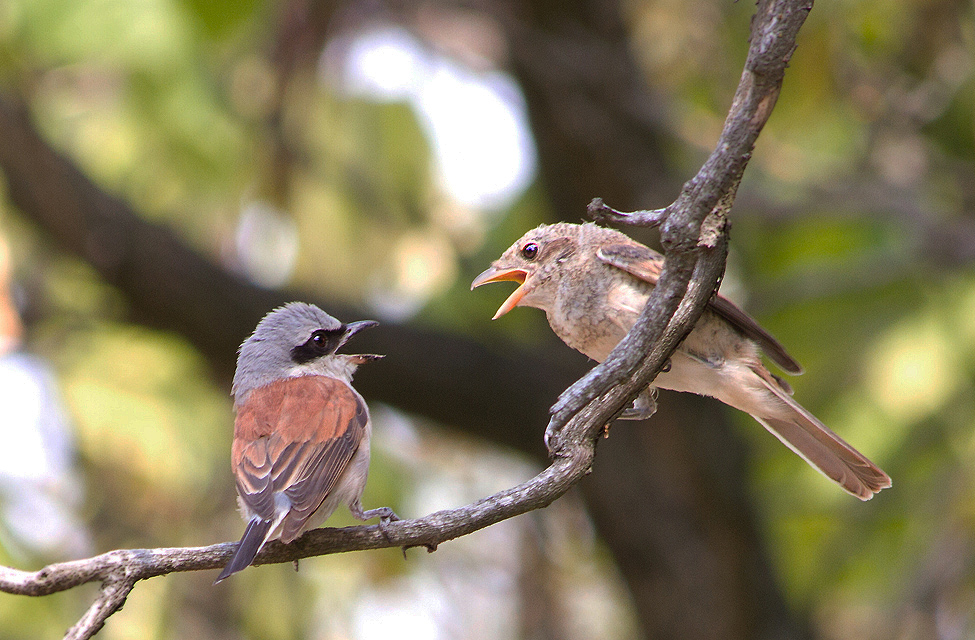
(301, 438)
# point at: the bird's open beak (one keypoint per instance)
(493, 274)
(362, 358)
(353, 328)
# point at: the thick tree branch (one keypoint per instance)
(449, 378)
(673, 477)
(694, 233)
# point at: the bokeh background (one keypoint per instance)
(172, 169)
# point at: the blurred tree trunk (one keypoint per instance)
(449, 378)
(599, 129)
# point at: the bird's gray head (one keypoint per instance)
(293, 340)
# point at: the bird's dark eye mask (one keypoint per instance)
(322, 342)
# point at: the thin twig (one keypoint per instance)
(600, 212)
(119, 570)
(111, 598)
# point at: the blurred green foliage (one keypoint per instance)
(166, 104)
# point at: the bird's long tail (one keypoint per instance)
(815, 443)
(250, 544)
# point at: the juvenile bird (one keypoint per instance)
(301, 437)
(592, 283)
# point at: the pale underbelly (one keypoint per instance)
(726, 377)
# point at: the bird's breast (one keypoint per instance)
(592, 315)
(592, 318)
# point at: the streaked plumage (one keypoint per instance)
(593, 282)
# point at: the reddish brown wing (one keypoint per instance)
(295, 436)
(645, 263)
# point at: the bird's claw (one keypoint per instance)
(553, 440)
(644, 406)
(386, 516)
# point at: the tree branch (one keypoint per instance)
(693, 229)
(600, 212)
(119, 570)
(694, 234)
(449, 378)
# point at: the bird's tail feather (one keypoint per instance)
(837, 460)
(815, 443)
(250, 544)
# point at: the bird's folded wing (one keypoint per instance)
(646, 264)
(295, 437)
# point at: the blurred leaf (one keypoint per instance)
(221, 17)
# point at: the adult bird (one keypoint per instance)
(301, 437)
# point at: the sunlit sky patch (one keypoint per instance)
(477, 122)
(39, 493)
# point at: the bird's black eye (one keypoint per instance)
(529, 251)
(321, 343)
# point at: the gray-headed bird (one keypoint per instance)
(301, 437)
